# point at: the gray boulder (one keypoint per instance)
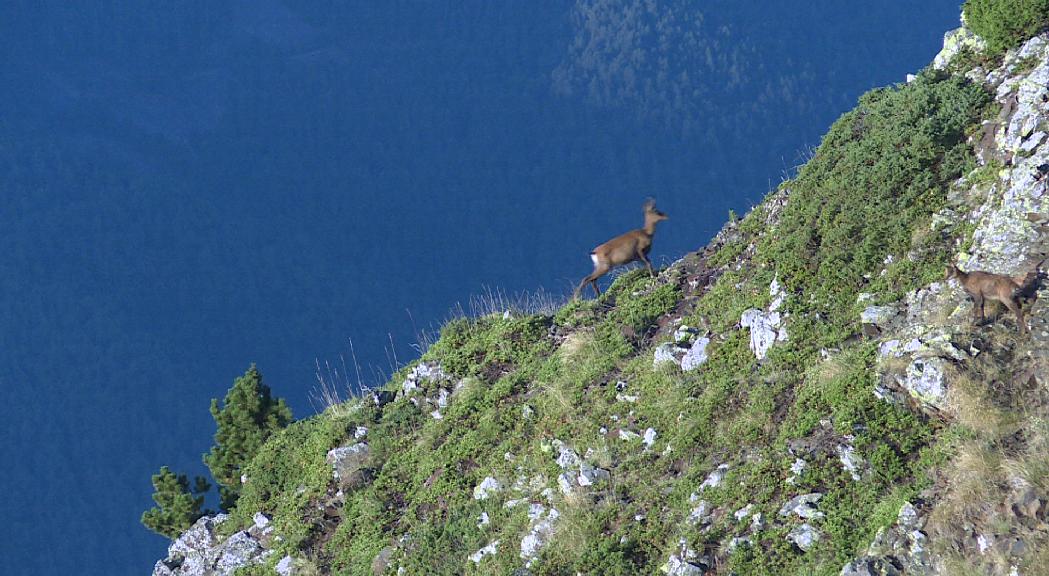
(201, 551)
(803, 506)
(804, 536)
(349, 465)
(696, 355)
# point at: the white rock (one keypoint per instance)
(488, 550)
(804, 536)
(260, 520)
(285, 567)
(743, 512)
(696, 355)
(714, 478)
(360, 432)
(925, 380)
(627, 435)
(984, 543)
(757, 523)
(568, 459)
(487, 488)
(851, 461)
(442, 398)
(483, 520)
(666, 353)
(765, 330)
(676, 566)
(650, 437)
(796, 470)
(565, 483)
(803, 505)
(539, 534)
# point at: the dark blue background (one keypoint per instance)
(194, 186)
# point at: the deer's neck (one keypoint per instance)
(650, 227)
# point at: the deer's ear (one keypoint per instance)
(650, 203)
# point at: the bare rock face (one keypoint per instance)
(201, 551)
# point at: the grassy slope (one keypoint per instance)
(867, 193)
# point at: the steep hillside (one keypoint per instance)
(806, 394)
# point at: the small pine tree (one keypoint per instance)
(249, 415)
(177, 509)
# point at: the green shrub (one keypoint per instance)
(1006, 24)
(177, 509)
(248, 416)
(881, 171)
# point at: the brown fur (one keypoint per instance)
(981, 286)
(623, 249)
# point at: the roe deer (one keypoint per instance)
(633, 245)
(985, 285)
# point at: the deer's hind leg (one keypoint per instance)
(1013, 305)
(599, 271)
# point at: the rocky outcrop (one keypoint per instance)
(202, 551)
(766, 327)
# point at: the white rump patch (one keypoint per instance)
(593, 257)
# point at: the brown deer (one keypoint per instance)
(633, 245)
(986, 285)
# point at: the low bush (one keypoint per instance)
(1006, 24)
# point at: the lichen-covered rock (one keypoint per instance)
(285, 566)
(803, 505)
(877, 315)
(591, 476)
(869, 567)
(684, 335)
(804, 536)
(349, 465)
(701, 512)
(852, 462)
(201, 551)
(925, 381)
(954, 42)
(900, 548)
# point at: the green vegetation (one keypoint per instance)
(1006, 24)
(858, 217)
(879, 174)
(247, 417)
(177, 508)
